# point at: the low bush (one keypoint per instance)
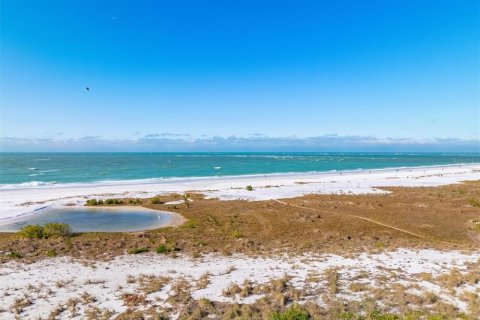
(156, 200)
(138, 250)
(93, 202)
(56, 230)
(474, 202)
(15, 254)
(191, 224)
(30, 231)
(293, 313)
(135, 201)
(113, 201)
(249, 188)
(51, 253)
(161, 249)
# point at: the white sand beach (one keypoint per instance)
(54, 282)
(33, 199)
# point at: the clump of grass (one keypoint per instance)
(51, 253)
(236, 234)
(293, 313)
(49, 230)
(186, 201)
(249, 188)
(332, 280)
(138, 250)
(150, 283)
(130, 299)
(474, 203)
(357, 287)
(191, 223)
(156, 200)
(15, 254)
(162, 249)
(135, 201)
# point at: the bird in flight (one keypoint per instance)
(87, 88)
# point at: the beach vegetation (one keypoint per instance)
(91, 202)
(191, 223)
(156, 200)
(162, 249)
(293, 313)
(113, 201)
(31, 231)
(249, 188)
(236, 234)
(185, 200)
(138, 250)
(56, 230)
(15, 255)
(135, 201)
(51, 253)
(474, 203)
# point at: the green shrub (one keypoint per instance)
(293, 313)
(236, 234)
(138, 250)
(34, 231)
(156, 200)
(92, 202)
(474, 202)
(15, 254)
(161, 249)
(135, 201)
(56, 230)
(249, 188)
(191, 224)
(113, 201)
(51, 253)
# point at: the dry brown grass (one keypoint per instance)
(442, 216)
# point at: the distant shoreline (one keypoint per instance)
(46, 184)
(23, 201)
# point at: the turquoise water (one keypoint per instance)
(21, 169)
(98, 219)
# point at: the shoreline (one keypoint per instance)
(159, 180)
(19, 202)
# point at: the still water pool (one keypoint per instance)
(96, 219)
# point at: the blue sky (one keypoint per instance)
(391, 73)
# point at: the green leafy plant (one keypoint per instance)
(474, 203)
(15, 254)
(293, 313)
(161, 249)
(30, 231)
(249, 188)
(156, 200)
(138, 250)
(56, 230)
(113, 201)
(191, 224)
(91, 202)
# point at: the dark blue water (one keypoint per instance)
(45, 168)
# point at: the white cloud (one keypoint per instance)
(257, 142)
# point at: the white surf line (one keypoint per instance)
(369, 220)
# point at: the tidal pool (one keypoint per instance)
(96, 219)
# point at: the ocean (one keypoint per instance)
(36, 169)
